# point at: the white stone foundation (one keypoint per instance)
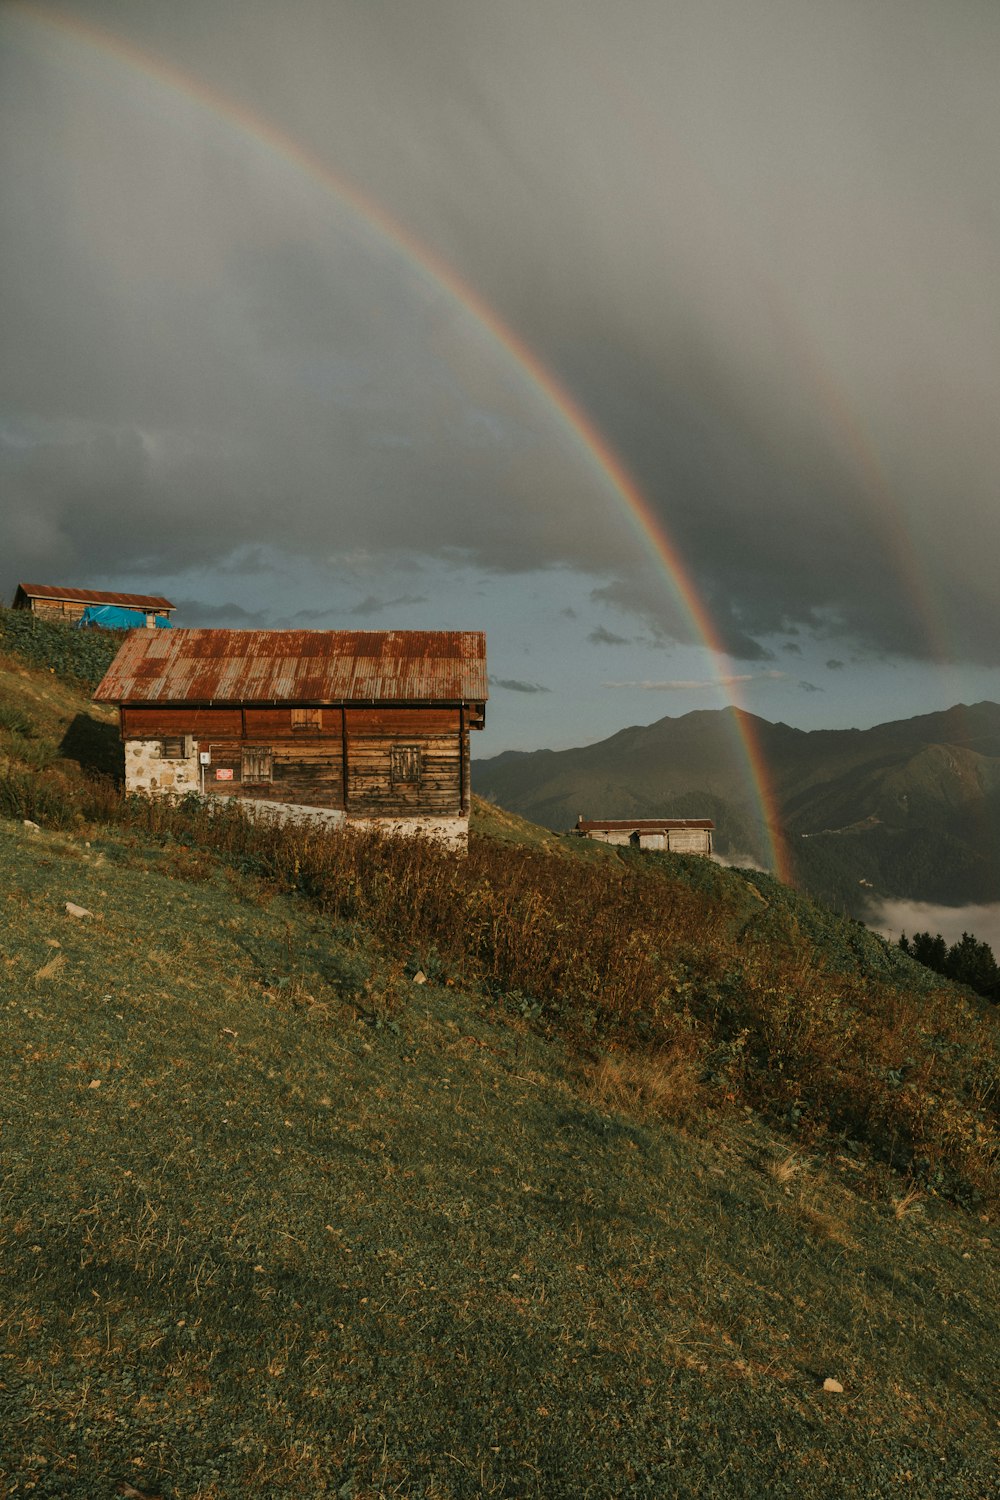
(452, 832)
(146, 770)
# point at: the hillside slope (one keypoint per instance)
(307, 1191)
(304, 1226)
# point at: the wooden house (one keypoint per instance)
(53, 602)
(325, 726)
(676, 835)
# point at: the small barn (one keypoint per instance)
(320, 725)
(55, 602)
(673, 835)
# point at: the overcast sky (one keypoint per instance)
(256, 257)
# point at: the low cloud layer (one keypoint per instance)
(892, 918)
(685, 685)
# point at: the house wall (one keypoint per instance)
(676, 840)
(148, 770)
(405, 768)
(56, 609)
(690, 840)
(612, 837)
(69, 610)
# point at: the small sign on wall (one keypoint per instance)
(223, 773)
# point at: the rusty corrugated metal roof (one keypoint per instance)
(640, 825)
(298, 666)
(154, 602)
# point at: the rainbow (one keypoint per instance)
(56, 25)
(845, 424)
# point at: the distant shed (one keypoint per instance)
(56, 602)
(321, 725)
(676, 835)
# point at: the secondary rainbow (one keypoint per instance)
(58, 25)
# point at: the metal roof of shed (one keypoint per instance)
(640, 825)
(298, 666)
(155, 602)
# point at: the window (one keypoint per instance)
(257, 764)
(307, 718)
(175, 747)
(405, 765)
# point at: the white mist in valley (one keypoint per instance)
(738, 861)
(891, 917)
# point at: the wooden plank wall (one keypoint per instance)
(371, 736)
(307, 773)
(57, 609)
(370, 788)
(309, 767)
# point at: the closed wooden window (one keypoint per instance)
(307, 718)
(405, 765)
(257, 764)
(174, 747)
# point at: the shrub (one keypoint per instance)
(16, 721)
(78, 656)
(690, 1003)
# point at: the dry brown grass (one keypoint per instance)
(666, 1083)
(908, 1203)
(814, 1199)
(785, 1170)
(823, 1219)
(51, 969)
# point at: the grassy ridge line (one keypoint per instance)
(739, 991)
(305, 1227)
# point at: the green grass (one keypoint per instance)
(278, 1220)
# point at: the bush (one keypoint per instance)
(16, 721)
(822, 1029)
(80, 657)
(639, 961)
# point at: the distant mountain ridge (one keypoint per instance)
(909, 808)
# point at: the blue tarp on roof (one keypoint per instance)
(114, 617)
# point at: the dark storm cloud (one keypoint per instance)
(371, 605)
(197, 612)
(834, 665)
(601, 636)
(514, 685)
(759, 244)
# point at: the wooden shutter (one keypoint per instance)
(257, 764)
(405, 765)
(307, 718)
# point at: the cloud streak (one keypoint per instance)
(683, 685)
(515, 685)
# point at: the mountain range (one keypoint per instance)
(906, 809)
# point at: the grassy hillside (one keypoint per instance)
(344, 1167)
